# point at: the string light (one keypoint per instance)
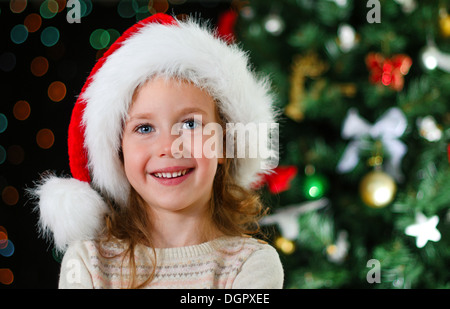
(50, 36)
(85, 7)
(45, 138)
(99, 39)
(39, 66)
(61, 5)
(57, 91)
(8, 250)
(6, 276)
(3, 238)
(48, 9)
(10, 196)
(21, 110)
(19, 34)
(3, 123)
(17, 6)
(126, 9)
(33, 22)
(159, 6)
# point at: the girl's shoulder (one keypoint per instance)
(244, 246)
(89, 249)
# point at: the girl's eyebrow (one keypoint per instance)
(191, 110)
(184, 111)
(140, 116)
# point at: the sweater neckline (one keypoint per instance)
(195, 250)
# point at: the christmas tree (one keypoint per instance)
(360, 198)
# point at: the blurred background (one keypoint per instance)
(361, 196)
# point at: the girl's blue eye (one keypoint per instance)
(190, 124)
(144, 129)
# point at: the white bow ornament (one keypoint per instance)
(387, 129)
(287, 217)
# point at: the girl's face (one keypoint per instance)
(165, 113)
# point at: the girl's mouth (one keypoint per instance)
(172, 177)
(171, 174)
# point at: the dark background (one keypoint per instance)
(33, 261)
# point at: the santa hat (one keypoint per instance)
(73, 208)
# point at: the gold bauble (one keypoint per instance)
(377, 189)
(444, 24)
(285, 245)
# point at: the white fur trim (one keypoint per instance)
(69, 210)
(188, 51)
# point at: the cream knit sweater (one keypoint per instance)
(226, 262)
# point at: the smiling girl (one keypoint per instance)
(139, 213)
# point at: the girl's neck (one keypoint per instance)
(173, 229)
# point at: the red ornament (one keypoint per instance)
(279, 179)
(388, 72)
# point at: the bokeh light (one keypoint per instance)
(99, 39)
(8, 250)
(85, 7)
(57, 91)
(19, 34)
(113, 36)
(160, 6)
(6, 276)
(3, 123)
(285, 245)
(15, 154)
(45, 138)
(3, 237)
(50, 36)
(33, 22)
(126, 8)
(7, 61)
(21, 110)
(10, 195)
(39, 66)
(17, 6)
(61, 5)
(48, 9)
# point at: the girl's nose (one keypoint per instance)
(170, 143)
(165, 141)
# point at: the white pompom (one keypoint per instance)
(69, 210)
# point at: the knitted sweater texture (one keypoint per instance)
(223, 263)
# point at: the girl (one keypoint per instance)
(139, 212)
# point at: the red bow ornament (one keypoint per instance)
(388, 72)
(279, 180)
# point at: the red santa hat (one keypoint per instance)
(73, 208)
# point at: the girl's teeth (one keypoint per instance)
(171, 175)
